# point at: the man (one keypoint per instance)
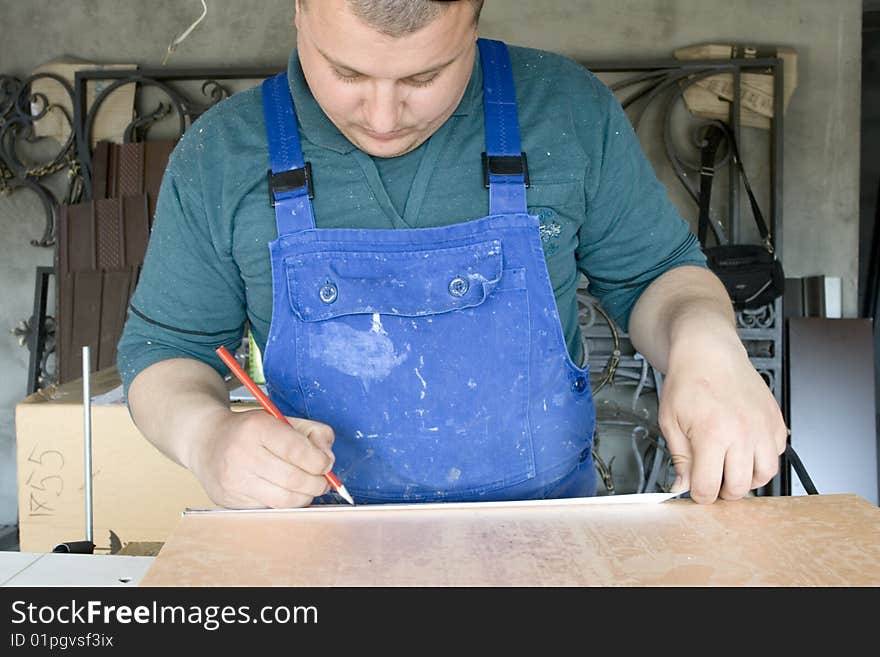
(419, 329)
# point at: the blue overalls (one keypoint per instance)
(435, 354)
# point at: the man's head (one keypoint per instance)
(388, 73)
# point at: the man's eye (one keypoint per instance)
(349, 77)
(421, 82)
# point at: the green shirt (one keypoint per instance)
(207, 269)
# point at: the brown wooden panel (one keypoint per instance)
(130, 175)
(62, 238)
(136, 275)
(113, 172)
(79, 253)
(101, 170)
(114, 303)
(155, 162)
(63, 324)
(87, 293)
(75, 255)
(62, 298)
(108, 235)
(140, 167)
(136, 229)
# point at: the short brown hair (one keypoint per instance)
(397, 18)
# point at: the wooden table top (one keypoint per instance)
(822, 540)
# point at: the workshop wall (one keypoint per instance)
(821, 139)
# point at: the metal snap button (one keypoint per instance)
(328, 293)
(580, 384)
(458, 287)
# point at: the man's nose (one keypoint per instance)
(383, 108)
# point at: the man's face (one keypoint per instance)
(386, 95)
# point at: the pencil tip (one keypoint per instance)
(345, 495)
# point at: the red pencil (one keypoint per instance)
(267, 405)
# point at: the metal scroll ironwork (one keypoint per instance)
(20, 109)
(177, 102)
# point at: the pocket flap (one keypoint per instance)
(327, 284)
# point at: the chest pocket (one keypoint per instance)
(324, 285)
(419, 360)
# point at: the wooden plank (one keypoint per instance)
(108, 235)
(99, 237)
(113, 171)
(115, 296)
(63, 296)
(76, 255)
(136, 229)
(80, 246)
(130, 174)
(87, 296)
(155, 162)
(831, 540)
(101, 170)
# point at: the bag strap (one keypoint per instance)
(707, 174)
(712, 141)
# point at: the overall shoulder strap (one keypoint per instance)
(289, 177)
(505, 169)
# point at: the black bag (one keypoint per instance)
(750, 272)
(752, 276)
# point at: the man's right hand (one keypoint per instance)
(251, 460)
(243, 460)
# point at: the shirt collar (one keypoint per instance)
(317, 127)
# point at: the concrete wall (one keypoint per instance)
(821, 141)
(870, 137)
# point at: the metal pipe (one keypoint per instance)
(87, 443)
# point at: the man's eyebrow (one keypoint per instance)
(345, 67)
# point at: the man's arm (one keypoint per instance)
(193, 400)
(243, 460)
(723, 427)
(190, 298)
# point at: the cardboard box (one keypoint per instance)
(139, 494)
(711, 97)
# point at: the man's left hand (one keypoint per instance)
(722, 424)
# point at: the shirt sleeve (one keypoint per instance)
(190, 298)
(632, 232)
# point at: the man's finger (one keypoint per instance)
(706, 472)
(275, 497)
(295, 448)
(321, 435)
(739, 467)
(680, 451)
(766, 466)
(290, 477)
